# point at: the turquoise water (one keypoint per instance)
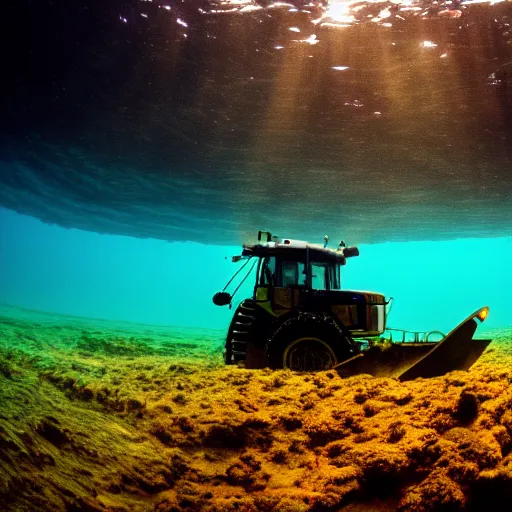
(45, 267)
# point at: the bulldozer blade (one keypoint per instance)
(407, 361)
(385, 360)
(456, 351)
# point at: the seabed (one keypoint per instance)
(104, 416)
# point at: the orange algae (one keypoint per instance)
(131, 420)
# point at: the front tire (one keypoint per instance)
(309, 342)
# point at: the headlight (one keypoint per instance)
(482, 314)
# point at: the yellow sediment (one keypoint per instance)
(97, 416)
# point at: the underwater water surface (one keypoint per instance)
(142, 142)
(206, 120)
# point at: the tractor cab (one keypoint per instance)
(293, 275)
(299, 272)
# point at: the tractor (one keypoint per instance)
(300, 319)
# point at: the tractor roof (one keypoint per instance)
(296, 250)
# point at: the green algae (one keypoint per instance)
(69, 403)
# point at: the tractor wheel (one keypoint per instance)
(309, 342)
(241, 332)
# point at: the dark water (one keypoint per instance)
(206, 121)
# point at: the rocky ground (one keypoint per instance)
(98, 416)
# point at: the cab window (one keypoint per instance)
(292, 273)
(334, 277)
(325, 276)
(268, 271)
(319, 276)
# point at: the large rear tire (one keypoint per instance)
(309, 342)
(241, 332)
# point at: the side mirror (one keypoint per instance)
(222, 299)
